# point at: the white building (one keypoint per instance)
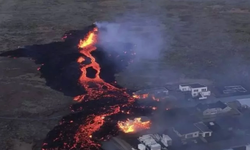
(213, 108)
(141, 147)
(247, 147)
(150, 142)
(166, 140)
(154, 141)
(155, 147)
(197, 90)
(204, 130)
(244, 147)
(187, 131)
(244, 102)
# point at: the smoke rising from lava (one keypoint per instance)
(149, 37)
(146, 36)
(101, 101)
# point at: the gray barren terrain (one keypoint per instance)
(204, 39)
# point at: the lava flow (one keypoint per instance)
(95, 86)
(135, 125)
(92, 124)
(77, 67)
(142, 96)
(145, 96)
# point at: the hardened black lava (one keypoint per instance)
(66, 130)
(59, 61)
(61, 71)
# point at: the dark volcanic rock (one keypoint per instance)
(61, 71)
(59, 66)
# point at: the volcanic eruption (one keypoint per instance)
(79, 67)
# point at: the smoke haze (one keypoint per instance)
(197, 47)
(146, 44)
(148, 35)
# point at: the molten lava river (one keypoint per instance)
(79, 67)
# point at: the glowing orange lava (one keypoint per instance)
(130, 126)
(145, 96)
(100, 88)
(155, 99)
(141, 96)
(154, 108)
(91, 125)
(87, 46)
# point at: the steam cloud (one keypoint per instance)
(149, 39)
(148, 34)
(145, 36)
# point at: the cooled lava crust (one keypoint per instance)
(79, 67)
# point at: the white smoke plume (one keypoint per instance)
(145, 36)
(150, 38)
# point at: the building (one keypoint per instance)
(244, 121)
(149, 142)
(197, 90)
(213, 108)
(204, 130)
(228, 123)
(189, 131)
(244, 102)
(141, 147)
(166, 140)
(224, 126)
(154, 141)
(243, 147)
(186, 131)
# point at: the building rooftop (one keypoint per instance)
(244, 101)
(185, 128)
(228, 122)
(196, 85)
(202, 127)
(244, 121)
(240, 148)
(217, 104)
(243, 147)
